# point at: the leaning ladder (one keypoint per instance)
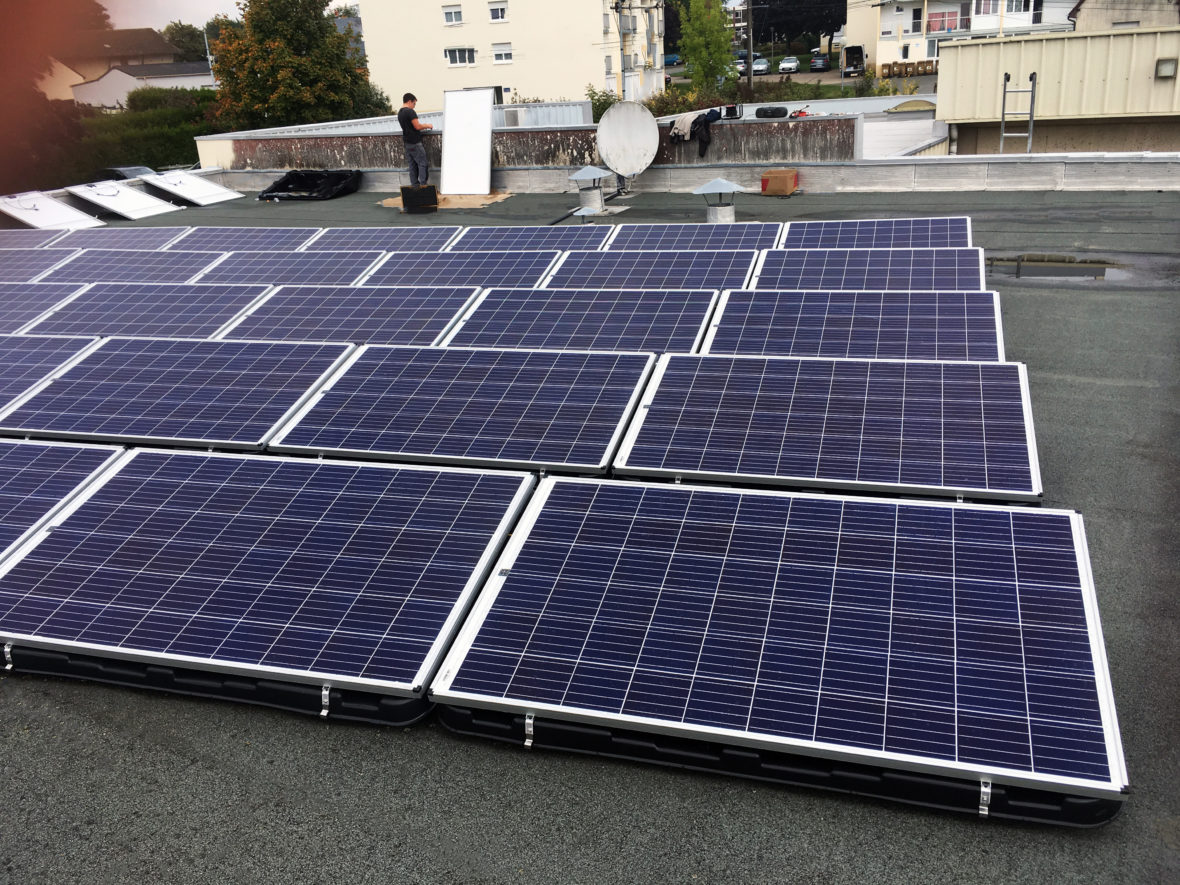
(1031, 92)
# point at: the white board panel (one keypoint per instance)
(467, 141)
(38, 210)
(191, 187)
(120, 199)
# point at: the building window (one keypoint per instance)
(498, 12)
(453, 15)
(456, 57)
(608, 59)
(905, 50)
(942, 21)
(501, 53)
(1018, 5)
(987, 7)
(916, 21)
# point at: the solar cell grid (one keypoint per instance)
(28, 359)
(277, 268)
(359, 314)
(149, 238)
(585, 236)
(589, 319)
(230, 239)
(957, 639)
(21, 303)
(506, 268)
(877, 270)
(712, 269)
(387, 239)
(225, 392)
(485, 407)
(25, 265)
(743, 235)
(900, 325)
(27, 239)
(132, 266)
(935, 427)
(272, 567)
(888, 233)
(149, 309)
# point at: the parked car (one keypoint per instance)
(741, 53)
(671, 59)
(788, 65)
(740, 64)
(820, 63)
(761, 66)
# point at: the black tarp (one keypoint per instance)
(310, 184)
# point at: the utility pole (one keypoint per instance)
(620, 9)
(750, 46)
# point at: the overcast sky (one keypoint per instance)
(157, 13)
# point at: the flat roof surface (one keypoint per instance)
(109, 784)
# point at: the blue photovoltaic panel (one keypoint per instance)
(889, 233)
(277, 268)
(877, 270)
(149, 309)
(582, 236)
(508, 268)
(674, 237)
(711, 269)
(233, 239)
(514, 407)
(25, 360)
(132, 266)
(21, 303)
(429, 238)
(358, 314)
(587, 319)
(938, 427)
(27, 239)
(23, 265)
(229, 392)
(149, 238)
(900, 325)
(954, 636)
(35, 478)
(296, 567)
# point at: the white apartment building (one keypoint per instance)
(530, 49)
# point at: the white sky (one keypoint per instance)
(158, 13)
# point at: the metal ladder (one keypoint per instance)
(1031, 92)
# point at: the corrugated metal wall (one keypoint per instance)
(1108, 74)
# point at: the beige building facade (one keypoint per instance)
(530, 49)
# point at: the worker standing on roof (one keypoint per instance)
(412, 129)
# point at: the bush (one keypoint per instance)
(600, 100)
(150, 98)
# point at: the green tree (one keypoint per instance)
(287, 65)
(189, 39)
(704, 41)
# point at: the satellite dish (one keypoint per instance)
(628, 138)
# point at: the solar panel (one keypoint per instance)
(885, 233)
(277, 268)
(36, 478)
(530, 408)
(902, 325)
(892, 425)
(587, 319)
(26, 360)
(27, 239)
(229, 393)
(712, 269)
(359, 314)
(343, 577)
(150, 309)
(194, 188)
(877, 270)
(21, 303)
(508, 268)
(44, 212)
(117, 197)
(582, 236)
(388, 239)
(24, 265)
(232, 239)
(132, 266)
(150, 238)
(676, 237)
(935, 646)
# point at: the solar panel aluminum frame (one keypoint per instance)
(236, 445)
(561, 259)
(622, 468)
(755, 276)
(524, 720)
(82, 658)
(277, 444)
(785, 232)
(723, 301)
(608, 246)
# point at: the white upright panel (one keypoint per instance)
(37, 210)
(467, 141)
(191, 187)
(121, 199)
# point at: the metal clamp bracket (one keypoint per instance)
(528, 730)
(985, 797)
(8, 656)
(325, 699)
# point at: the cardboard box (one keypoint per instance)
(780, 182)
